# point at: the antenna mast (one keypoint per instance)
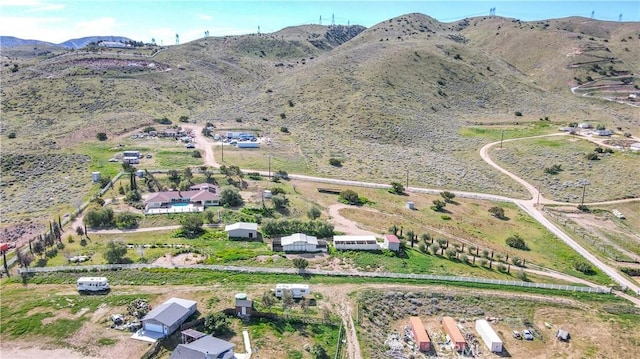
(320, 19)
(333, 20)
(177, 39)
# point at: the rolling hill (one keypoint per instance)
(388, 100)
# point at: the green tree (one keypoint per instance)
(217, 324)
(434, 248)
(497, 212)
(268, 300)
(126, 220)
(425, 237)
(451, 253)
(411, 236)
(230, 197)
(191, 225)
(317, 351)
(280, 202)
(287, 299)
(101, 136)
(438, 205)
(448, 196)
(300, 263)
(314, 212)
(174, 177)
(515, 241)
(115, 252)
(99, 217)
(396, 188)
(133, 196)
(584, 267)
(349, 196)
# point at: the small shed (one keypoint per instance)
(420, 334)
(242, 230)
(392, 242)
(243, 305)
(95, 176)
(267, 194)
(563, 335)
(300, 242)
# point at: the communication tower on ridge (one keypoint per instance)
(333, 20)
(177, 39)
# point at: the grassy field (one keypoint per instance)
(469, 220)
(609, 178)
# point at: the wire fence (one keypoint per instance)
(427, 277)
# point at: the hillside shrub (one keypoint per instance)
(518, 114)
(517, 242)
(11, 135)
(336, 162)
(584, 267)
(162, 121)
(285, 227)
(101, 136)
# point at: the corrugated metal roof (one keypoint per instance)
(242, 225)
(198, 348)
(299, 238)
(452, 329)
(418, 330)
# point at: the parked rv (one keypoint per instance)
(297, 290)
(92, 284)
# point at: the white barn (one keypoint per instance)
(366, 243)
(242, 230)
(300, 242)
(489, 336)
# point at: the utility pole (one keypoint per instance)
(584, 188)
(222, 148)
(501, 139)
(269, 165)
(539, 186)
(407, 179)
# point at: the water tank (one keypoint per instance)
(95, 176)
(140, 173)
(241, 296)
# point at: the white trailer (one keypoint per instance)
(297, 290)
(489, 336)
(92, 284)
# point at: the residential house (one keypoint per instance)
(367, 243)
(131, 157)
(242, 230)
(205, 347)
(603, 132)
(196, 199)
(584, 125)
(299, 242)
(391, 242)
(167, 317)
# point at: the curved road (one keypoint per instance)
(528, 205)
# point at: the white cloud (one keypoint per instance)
(52, 7)
(204, 17)
(27, 27)
(21, 3)
(104, 26)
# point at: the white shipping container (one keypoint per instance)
(489, 336)
(297, 290)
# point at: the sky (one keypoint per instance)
(143, 20)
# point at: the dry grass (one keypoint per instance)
(395, 98)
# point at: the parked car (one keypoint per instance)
(113, 160)
(516, 334)
(527, 334)
(190, 145)
(149, 156)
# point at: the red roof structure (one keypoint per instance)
(451, 328)
(420, 333)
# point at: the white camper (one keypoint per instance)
(92, 284)
(297, 290)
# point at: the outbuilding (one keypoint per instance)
(167, 317)
(367, 243)
(489, 336)
(420, 334)
(300, 242)
(454, 333)
(205, 347)
(563, 335)
(242, 230)
(391, 242)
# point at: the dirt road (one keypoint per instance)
(346, 225)
(205, 144)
